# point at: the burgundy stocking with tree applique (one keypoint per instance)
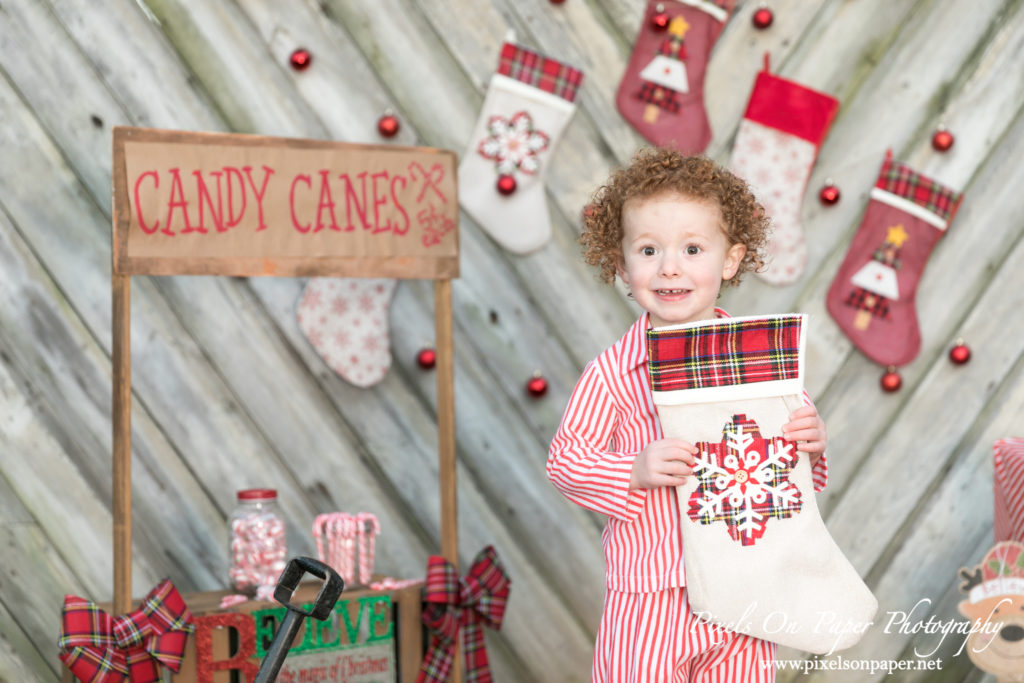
(872, 295)
(662, 91)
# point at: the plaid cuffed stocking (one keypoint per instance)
(757, 552)
(776, 145)
(872, 294)
(662, 91)
(529, 102)
(346, 322)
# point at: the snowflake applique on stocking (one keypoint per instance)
(744, 481)
(513, 143)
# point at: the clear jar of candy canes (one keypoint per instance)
(257, 538)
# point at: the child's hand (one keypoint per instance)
(807, 428)
(667, 462)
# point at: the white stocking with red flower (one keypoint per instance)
(501, 178)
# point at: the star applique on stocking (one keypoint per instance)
(346, 322)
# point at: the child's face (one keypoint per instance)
(675, 257)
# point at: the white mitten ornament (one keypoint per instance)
(346, 322)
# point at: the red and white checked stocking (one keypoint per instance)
(662, 91)
(776, 145)
(346, 322)
(872, 295)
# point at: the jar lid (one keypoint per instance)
(257, 494)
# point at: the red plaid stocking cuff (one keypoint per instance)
(906, 183)
(541, 72)
(724, 353)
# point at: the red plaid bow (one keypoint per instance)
(98, 648)
(476, 600)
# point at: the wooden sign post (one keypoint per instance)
(241, 205)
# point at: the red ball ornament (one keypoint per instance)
(537, 386)
(301, 59)
(426, 358)
(557, 2)
(506, 184)
(762, 18)
(891, 380)
(942, 140)
(829, 194)
(960, 353)
(659, 20)
(388, 125)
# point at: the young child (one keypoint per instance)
(673, 228)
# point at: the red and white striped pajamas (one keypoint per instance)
(647, 631)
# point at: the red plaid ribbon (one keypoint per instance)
(724, 353)
(539, 71)
(475, 601)
(99, 648)
(903, 181)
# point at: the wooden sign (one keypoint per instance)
(229, 204)
(356, 644)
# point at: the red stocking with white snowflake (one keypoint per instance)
(346, 322)
(776, 145)
(662, 91)
(529, 102)
(872, 295)
(757, 552)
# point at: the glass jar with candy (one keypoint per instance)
(257, 543)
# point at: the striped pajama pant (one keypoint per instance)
(655, 638)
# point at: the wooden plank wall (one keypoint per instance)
(227, 394)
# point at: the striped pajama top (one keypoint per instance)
(610, 418)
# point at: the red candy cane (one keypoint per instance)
(318, 535)
(338, 535)
(368, 528)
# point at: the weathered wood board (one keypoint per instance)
(228, 394)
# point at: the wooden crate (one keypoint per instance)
(403, 623)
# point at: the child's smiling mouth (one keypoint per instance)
(671, 292)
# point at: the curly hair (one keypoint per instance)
(656, 170)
